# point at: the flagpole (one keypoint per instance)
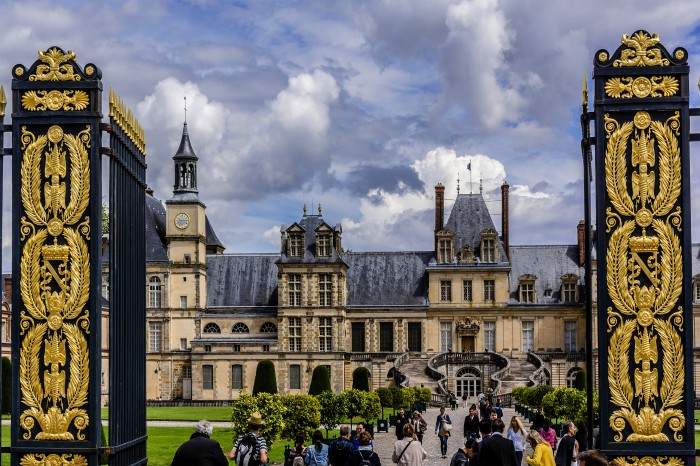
(471, 187)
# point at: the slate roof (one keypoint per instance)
(380, 279)
(156, 249)
(468, 218)
(309, 223)
(212, 239)
(548, 264)
(241, 280)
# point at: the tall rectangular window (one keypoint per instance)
(325, 332)
(294, 282)
(489, 290)
(414, 336)
(295, 334)
(237, 377)
(358, 337)
(183, 344)
(467, 290)
(154, 292)
(295, 377)
(489, 336)
(568, 292)
(183, 302)
(570, 335)
(155, 336)
(186, 372)
(527, 292)
(445, 336)
(488, 250)
(325, 290)
(445, 251)
(386, 336)
(323, 245)
(296, 242)
(528, 336)
(445, 290)
(697, 293)
(208, 377)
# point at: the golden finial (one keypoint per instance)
(585, 91)
(304, 208)
(319, 208)
(3, 101)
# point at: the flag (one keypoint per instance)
(469, 166)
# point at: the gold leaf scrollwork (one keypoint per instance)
(641, 51)
(54, 287)
(55, 100)
(37, 459)
(656, 86)
(648, 461)
(54, 66)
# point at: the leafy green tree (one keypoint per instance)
(270, 408)
(6, 385)
(409, 396)
(334, 408)
(425, 395)
(303, 415)
(536, 394)
(320, 381)
(518, 394)
(372, 407)
(385, 398)
(356, 403)
(566, 403)
(580, 381)
(396, 397)
(360, 379)
(265, 378)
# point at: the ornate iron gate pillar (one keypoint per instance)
(645, 322)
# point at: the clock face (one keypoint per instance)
(182, 220)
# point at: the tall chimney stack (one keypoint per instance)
(439, 210)
(581, 231)
(505, 188)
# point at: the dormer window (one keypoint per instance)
(296, 242)
(527, 289)
(445, 247)
(569, 288)
(489, 251)
(323, 245)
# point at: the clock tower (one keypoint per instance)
(186, 231)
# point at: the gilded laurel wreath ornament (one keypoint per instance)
(644, 278)
(54, 287)
(648, 461)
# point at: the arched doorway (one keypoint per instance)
(468, 382)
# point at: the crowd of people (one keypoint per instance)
(484, 443)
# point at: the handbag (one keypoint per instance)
(446, 427)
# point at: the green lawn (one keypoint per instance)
(183, 413)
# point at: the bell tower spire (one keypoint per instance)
(185, 164)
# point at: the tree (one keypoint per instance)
(356, 403)
(334, 408)
(265, 378)
(536, 394)
(372, 407)
(303, 415)
(425, 394)
(385, 398)
(6, 385)
(396, 397)
(320, 381)
(270, 408)
(567, 403)
(409, 396)
(360, 379)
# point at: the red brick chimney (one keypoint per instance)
(505, 233)
(439, 210)
(581, 231)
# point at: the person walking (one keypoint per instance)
(401, 421)
(471, 424)
(464, 400)
(341, 449)
(548, 434)
(408, 451)
(516, 433)
(359, 428)
(419, 425)
(364, 453)
(542, 451)
(443, 426)
(496, 450)
(566, 452)
(200, 449)
(467, 455)
(250, 449)
(317, 452)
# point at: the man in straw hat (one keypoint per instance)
(250, 449)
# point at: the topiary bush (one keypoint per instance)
(372, 407)
(303, 415)
(270, 408)
(360, 379)
(320, 381)
(334, 409)
(265, 378)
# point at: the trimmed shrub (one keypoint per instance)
(270, 408)
(320, 381)
(356, 402)
(6, 385)
(372, 407)
(303, 415)
(385, 397)
(334, 409)
(425, 394)
(265, 378)
(360, 379)
(396, 397)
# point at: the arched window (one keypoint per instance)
(468, 381)
(571, 377)
(211, 327)
(154, 292)
(240, 327)
(268, 327)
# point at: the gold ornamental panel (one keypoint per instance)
(53, 460)
(645, 322)
(54, 286)
(55, 100)
(655, 86)
(54, 66)
(640, 51)
(648, 461)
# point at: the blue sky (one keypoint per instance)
(360, 106)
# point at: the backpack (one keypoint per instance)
(365, 461)
(247, 454)
(298, 461)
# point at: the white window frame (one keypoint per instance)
(528, 335)
(467, 291)
(294, 286)
(155, 292)
(446, 291)
(294, 334)
(325, 290)
(489, 291)
(489, 336)
(155, 340)
(445, 336)
(325, 334)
